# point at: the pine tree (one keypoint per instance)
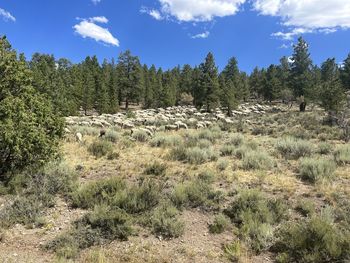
(256, 82)
(301, 71)
(130, 78)
(210, 82)
(272, 87)
(345, 73)
(332, 93)
(227, 94)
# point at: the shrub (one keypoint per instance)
(312, 240)
(257, 160)
(324, 148)
(227, 150)
(98, 227)
(222, 164)
(255, 216)
(242, 151)
(165, 223)
(161, 140)
(198, 156)
(292, 148)
(30, 128)
(195, 193)
(220, 224)
(38, 193)
(193, 155)
(23, 210)
(139, 198)
(210, 134)
(140, 135)
(234, 251)
(342, 155)
(113, 155)
(306, 207)
(207, 176)
(111, 136)
(96, 193)
(204, 143)
(157, 169)
(100, 148)
(236, 139)
(114, 192)
(313, 170)
(253, 202)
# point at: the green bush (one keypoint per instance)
(207, 176)
(39, 191)
(220, 224)
(241, 151)
(193, 155)
(114, 192)
(30, 129)
(157, 169)
(312, 240)
(211, 134)
(140, 135)
(195, 193)
(228, 150)
(222, 164)
(313, 170)
(236, 139)
(111, 136)
(204, 143)
(342, 155)
(306, 207)
(198, 156)
(255, 215)
(324, 148)
(96, 228)
(161, 140)
(253, 202)
(100, 148)
(96, 193)
(165, 222)
(257, 160)
(292, 148)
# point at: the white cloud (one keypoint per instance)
(307, 16)
(155, 14)
(202, 35)
(7, 15)
(290, 35)
(99, 19)
(88, 28)
(199, 10)
(152, 12)
(95, 2)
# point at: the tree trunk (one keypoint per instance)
(126, 104)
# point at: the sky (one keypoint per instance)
(168, 33)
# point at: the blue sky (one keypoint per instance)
(175, 32)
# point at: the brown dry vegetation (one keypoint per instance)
(257, 164)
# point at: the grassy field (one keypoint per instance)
(270, 189)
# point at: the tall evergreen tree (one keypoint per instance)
(272, 86)
(301, 71)
(345, 73)
(332, 93)
(210, 82)
(130, 78)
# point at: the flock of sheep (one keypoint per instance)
(171, 118)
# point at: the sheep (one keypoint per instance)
(79, 137)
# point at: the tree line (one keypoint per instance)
(104, 87)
